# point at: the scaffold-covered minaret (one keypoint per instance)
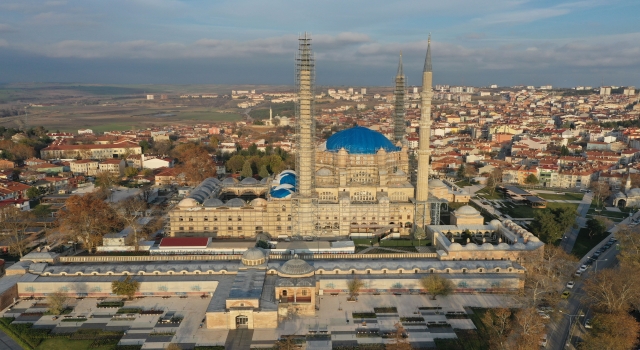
(304, 202)
(398, 120)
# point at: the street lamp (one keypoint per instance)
(579, 314)
(596, 269)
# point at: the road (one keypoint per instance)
(570, 240)
(559, 330)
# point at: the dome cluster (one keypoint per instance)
(285, 185)
(296, 267)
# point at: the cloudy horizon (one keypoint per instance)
(475, 42)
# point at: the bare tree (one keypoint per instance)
(600, 190)
(615, 331)
(497, 322)
(14, 223)
(354, 285)
(629, 243)
(437, 285)
(545, 274)
(528, 329)
(613, 290)
(57, 301)
(131, 210)
(399, 342)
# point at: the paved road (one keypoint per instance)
(559, 330)
(570, 240)
(7, 343)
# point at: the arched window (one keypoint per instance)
(363, 196)
(327, 196)
(398, 196)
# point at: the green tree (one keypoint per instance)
(145, 146)
(263, 171)
(419, 234)
(564, 151)
(128, 287)
(235, 163)
(550, 224)
(33, 192)
(460, 173)
(531, 180)
(436, 285)
(246, 170)
(595, 227)
(130, 172)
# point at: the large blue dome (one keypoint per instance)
(360, 140)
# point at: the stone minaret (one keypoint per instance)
(422, 182)
(303, 208)
(398, 120)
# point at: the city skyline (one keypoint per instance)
(477, 43)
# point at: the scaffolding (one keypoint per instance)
(399, 94)
(428, 212)
(304, 203)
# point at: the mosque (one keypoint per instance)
(356, 184)
(630, 198)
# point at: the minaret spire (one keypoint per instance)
(423, 209)
(399, 94)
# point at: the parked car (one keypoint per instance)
(570, 284)
(543, 315)
(587, 323)
(578, 273)
(543, 341)
(583, 268)
(565, 294)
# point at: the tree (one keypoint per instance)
(56, 301)
(14, 223)
(246, 169)
(531, 180)
(614, 331)
(470, 171)
(106, 181)
(613, 290)
(564, 151)
(545, 274)
(162, 148)
(629, 244)
(493, 179)
(600, 191)
(131, 210)
(419, 234)
(399, 340)
(460, 173)
(263, 171)
(128, 287)
(195, 163)
(595, 227)
(87, 218)
(550, 224)
(286, 343)
(33, 192)
(497, 323)
(130, 171)
(174, 346)
(528, 329)
(436, 285)
(354, 285)
(235, 163)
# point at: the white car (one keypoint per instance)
(583, 268)
(578, 273)
(543, 315)
(587, 323)
(570, 284)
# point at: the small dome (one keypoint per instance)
(188, 203)
(296, 267)
(287, 178)
(253, 256)
(503, 246)
(471, 246)
(436, 183)
(213, 202)
(235, 203)
(519, 246)
(466, 210)
(249, 181)
(259, 202)
(281, 193)
(455, 246)
(229, 181)
(487, 246)
(634, 192)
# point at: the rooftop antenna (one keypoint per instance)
(26, 118)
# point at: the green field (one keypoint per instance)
(584, 243)
(68, 344)
(569, 196)
(209, 116)
(485, 194)
(525, 211)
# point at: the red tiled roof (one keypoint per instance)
(184, 242)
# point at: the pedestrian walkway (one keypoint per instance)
(239, 339)
(7, 343)
(583, 208)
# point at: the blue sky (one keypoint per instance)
(475, 42)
